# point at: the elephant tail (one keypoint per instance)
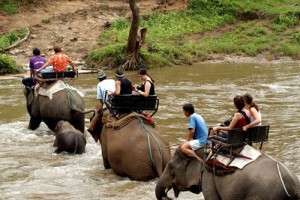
(71, 104)
(82, 111)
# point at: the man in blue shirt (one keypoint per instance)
(198, 132)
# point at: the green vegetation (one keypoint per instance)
(8, 65)
(10, 38)
(11, 6)
(207, 27)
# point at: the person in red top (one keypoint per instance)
(59, 61)
(240, 118)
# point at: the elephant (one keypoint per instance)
(66, 104)
(135, 150)
(68, 139)
(262, 179)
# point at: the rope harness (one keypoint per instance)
(149, 139)
(281, 179)
(70, 93)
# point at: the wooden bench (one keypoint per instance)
(133, 103)
(238, 137)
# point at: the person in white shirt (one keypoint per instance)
(104, 87)
(255, 114)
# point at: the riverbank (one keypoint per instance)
(214, 59)
(76, 26)
(260, 59)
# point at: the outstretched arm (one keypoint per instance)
(257, 118)
(72, 64)
(147, 90)
(231, 125)
(44, 66)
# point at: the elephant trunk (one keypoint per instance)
(161, 192)
(164, 185)
(96, 125)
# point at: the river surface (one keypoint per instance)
(30, 170)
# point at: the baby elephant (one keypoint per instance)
(68, 139)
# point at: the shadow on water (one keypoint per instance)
(30, 170)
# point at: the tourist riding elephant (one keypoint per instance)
(65, 105)
(263, 179)
(134, 149)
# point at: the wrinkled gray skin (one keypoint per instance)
(68, 139)
(126, 150)
(41, 108)
(259, 180)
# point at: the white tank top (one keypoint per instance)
(252, 119)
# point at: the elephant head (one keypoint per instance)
(183, 173)
(29, 94)
(96, 125)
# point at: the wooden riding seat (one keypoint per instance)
(53, 76)
(237, 137)
(132, 103)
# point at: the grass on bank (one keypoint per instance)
(10, 38)
(11, 7)
(207, 27)
(8, 65)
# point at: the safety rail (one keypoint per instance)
(132, 103)
(53, 76)
(238, 137)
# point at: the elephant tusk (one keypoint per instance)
(168, 189)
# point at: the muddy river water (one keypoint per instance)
(30, 170)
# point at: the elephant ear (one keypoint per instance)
(58, 127)
(28, 92)
(188, 171)
(193, 172)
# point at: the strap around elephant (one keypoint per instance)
(149, 143)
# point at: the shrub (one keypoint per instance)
(9, 38)
(110, 56)
(296, 37)
(8, 65)
(286, 20)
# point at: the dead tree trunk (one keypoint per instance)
(133, 61)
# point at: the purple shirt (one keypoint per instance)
(36, 62)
